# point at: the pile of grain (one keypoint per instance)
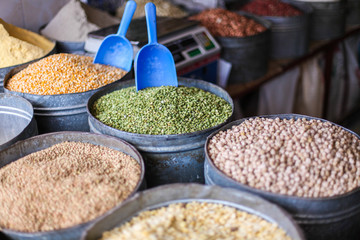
(64, 185)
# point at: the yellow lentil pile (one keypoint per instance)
(63, 73)
(196, 220)
(64, 185)
(14, 51)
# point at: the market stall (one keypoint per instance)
(225, 125)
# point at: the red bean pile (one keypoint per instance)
(273, 8)
(224, 23)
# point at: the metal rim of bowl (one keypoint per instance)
(201, 190)
(264, 192)
(64, 230)
(99, 94)
(17, 69)
(25, 101)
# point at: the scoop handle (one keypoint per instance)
(150, 12)
(129, 11)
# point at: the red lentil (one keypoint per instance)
(271, 8)
(224, 23)
(64, 185)
(63, 73)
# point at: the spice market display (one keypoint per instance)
(196, 220)
(63, 73)
(307, 168)
(67, 184)
(161, 110)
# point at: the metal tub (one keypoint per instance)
(168, 158)
(61, 112)
(37, 143)
(353, 12)
(328, 19)
(17, 120)
(290, 35)
(183, 193)
(329, 218)
(249, 55)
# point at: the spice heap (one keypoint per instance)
(304, 158)
(164, 8)
(161, 110)
(64, 185)
(224, 23)
(14, 51)
(63, 73)
(196, 220)
(274, 8)
(69, 24)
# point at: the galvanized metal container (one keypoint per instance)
(249, 55)
(330, 218)
(168, 158)
(353, 12)
(61, 112)
(290, 35)
(17, 120)
(5, 70)
(37, 143)
(183, 193)
(328, 19)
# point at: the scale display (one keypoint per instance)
(191, 45)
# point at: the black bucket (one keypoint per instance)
(325, 218)
(168, 158)
(61, 112)
(40, 142)
(353, 12)
(249, 55)
(290, 35)
(327, 20)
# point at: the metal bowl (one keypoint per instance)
(183, 193)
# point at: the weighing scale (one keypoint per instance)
(194, 49)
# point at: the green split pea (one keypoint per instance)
(161, 110)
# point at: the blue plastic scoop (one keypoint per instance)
(115, 49)
(154, 64)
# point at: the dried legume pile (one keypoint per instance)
(304, 158)
(196, 220)
(273, 8)
(64, 185)
(63, 73)
(224, 23)
(161, 110)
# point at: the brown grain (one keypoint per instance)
(64, 185)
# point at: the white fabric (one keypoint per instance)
(29, 14)
(278, 95)
(310, 92)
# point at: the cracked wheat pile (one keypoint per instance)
(303, 158)
(196, 220)
(64, 185)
